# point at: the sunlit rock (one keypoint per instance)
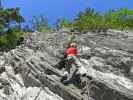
(31, 71)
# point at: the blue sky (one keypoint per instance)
(55, 9)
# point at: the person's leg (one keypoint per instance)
(72, 67)
(73, 72)
(66, 71)
(77, 62)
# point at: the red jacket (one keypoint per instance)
(70, 51)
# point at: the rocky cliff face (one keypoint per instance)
(30, 72)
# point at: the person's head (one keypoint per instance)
(73, 44)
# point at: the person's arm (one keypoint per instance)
(65, 54)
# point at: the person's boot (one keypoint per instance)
(65, 76)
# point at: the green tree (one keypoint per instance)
(9, 34)
(90, 20)
(9, 16)
(64, 23)
(87, 20)
(117, 19)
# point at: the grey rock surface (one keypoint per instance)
(108, 59)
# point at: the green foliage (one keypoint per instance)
(64, 23)
(8, 40)
(9, 16)
(117, 18)
(41, 24)
(90, 20)
(10, 34)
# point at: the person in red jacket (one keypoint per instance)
(71, 50)
(72, 62)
